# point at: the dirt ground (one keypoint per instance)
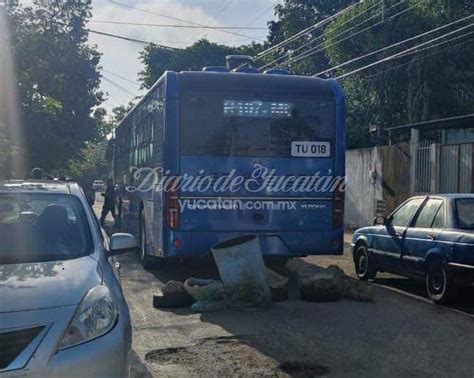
(401, 334)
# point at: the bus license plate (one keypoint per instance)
(310, 149)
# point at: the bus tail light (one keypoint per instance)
(172, 206)
(338, 207)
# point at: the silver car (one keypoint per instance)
(62, 310)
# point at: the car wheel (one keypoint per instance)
(147, 261)
(364, 266)
(439, 284)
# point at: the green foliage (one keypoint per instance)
(203, 53)
(417, 87)
(120, 112)
(57, 80)
(90, 165)
(292, 17)
(4, 146)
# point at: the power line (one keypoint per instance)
(214, 18)
(282, 57)
(394, 45)
(129, 39)
(259, 15)
(177, 19)
(223, 9)
(304, 31)
(424, 56)
(439, 44)
(110, 81)
(323, 46)
(176, 26)
(402, 53)
(121, 77)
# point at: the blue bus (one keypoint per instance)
(259, 133)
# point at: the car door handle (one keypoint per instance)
(397, 234)
(431, 236)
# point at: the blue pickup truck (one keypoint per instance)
(427, 237)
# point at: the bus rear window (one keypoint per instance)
(230, 125)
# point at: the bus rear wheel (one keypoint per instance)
(147, 261)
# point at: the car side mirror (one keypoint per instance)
(122, 243)
(380, 221)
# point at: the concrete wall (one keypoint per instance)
(363, 167)
(379, 173)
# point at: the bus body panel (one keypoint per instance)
(307, 230)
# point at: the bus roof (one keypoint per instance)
(211, 81)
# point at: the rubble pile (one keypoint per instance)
(209, 294)
(278, 286)
(173, 295)
(323, 285)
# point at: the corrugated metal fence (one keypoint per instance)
(456, 169)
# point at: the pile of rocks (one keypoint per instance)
(322, 285)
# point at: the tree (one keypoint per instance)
(57, 80)
(294, 16)
(90, 165)
(424, 85)
(417, 87)
(203, 53)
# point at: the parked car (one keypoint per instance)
(98, 185)
(428, 237)
(62, 310)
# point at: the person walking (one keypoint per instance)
(110, 198)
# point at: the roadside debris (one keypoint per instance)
(323, 285)
(209, 294)
(243, 273)
(278, 286)
(247, 283)
(173, 295)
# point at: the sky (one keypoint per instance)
(120, 59)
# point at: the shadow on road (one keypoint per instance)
(464, 301)
(300, 339)
(137, 368)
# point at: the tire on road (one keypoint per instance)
(439, 283)
(364, 266)
(276, 262)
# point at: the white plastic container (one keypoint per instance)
(243, 273)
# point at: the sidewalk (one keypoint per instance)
(348, 237)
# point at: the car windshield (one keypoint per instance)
(465, 212)
(42, 227)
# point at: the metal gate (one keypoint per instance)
(423, 167)
(456, 170)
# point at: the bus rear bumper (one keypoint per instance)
(288, 243)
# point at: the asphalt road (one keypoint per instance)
(401, 334)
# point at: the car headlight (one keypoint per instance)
(95, 316)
